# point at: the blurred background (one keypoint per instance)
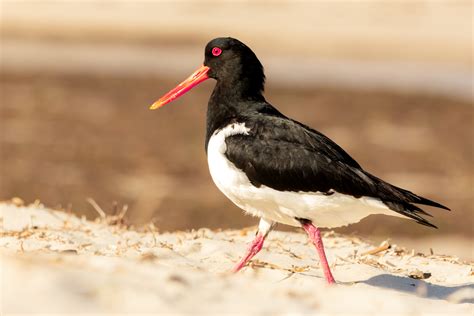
(390, 81)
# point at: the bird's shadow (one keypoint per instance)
(418, 287)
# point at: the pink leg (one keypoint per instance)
(264, 227)
(315, 237)
(254, 248)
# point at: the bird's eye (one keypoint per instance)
(216, 51)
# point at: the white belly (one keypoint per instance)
(282, 206)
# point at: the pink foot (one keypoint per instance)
(254, 248)
(315, 237)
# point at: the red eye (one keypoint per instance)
(216, 51)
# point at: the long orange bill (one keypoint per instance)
(197, 77)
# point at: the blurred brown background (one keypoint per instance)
(391, 82)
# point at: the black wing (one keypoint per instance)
(288, 156)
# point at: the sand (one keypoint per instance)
(54, 262)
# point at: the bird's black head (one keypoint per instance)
(232, 63)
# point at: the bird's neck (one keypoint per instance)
(239, 87)
(227, 103)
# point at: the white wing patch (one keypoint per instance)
(330, 211)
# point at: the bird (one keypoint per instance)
(278, 169)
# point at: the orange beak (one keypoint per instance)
(197, 77)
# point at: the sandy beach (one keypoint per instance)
(56, 262)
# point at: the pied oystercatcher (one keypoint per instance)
(276, 168)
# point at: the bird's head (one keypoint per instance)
(229, 61)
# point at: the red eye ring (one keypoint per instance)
(216, 51)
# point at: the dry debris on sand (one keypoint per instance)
(53, 261)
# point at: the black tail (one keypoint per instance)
(420, 200)
(411, 211)
(400, 201)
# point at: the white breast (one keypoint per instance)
(282, 206)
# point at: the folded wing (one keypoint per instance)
(306, 160)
